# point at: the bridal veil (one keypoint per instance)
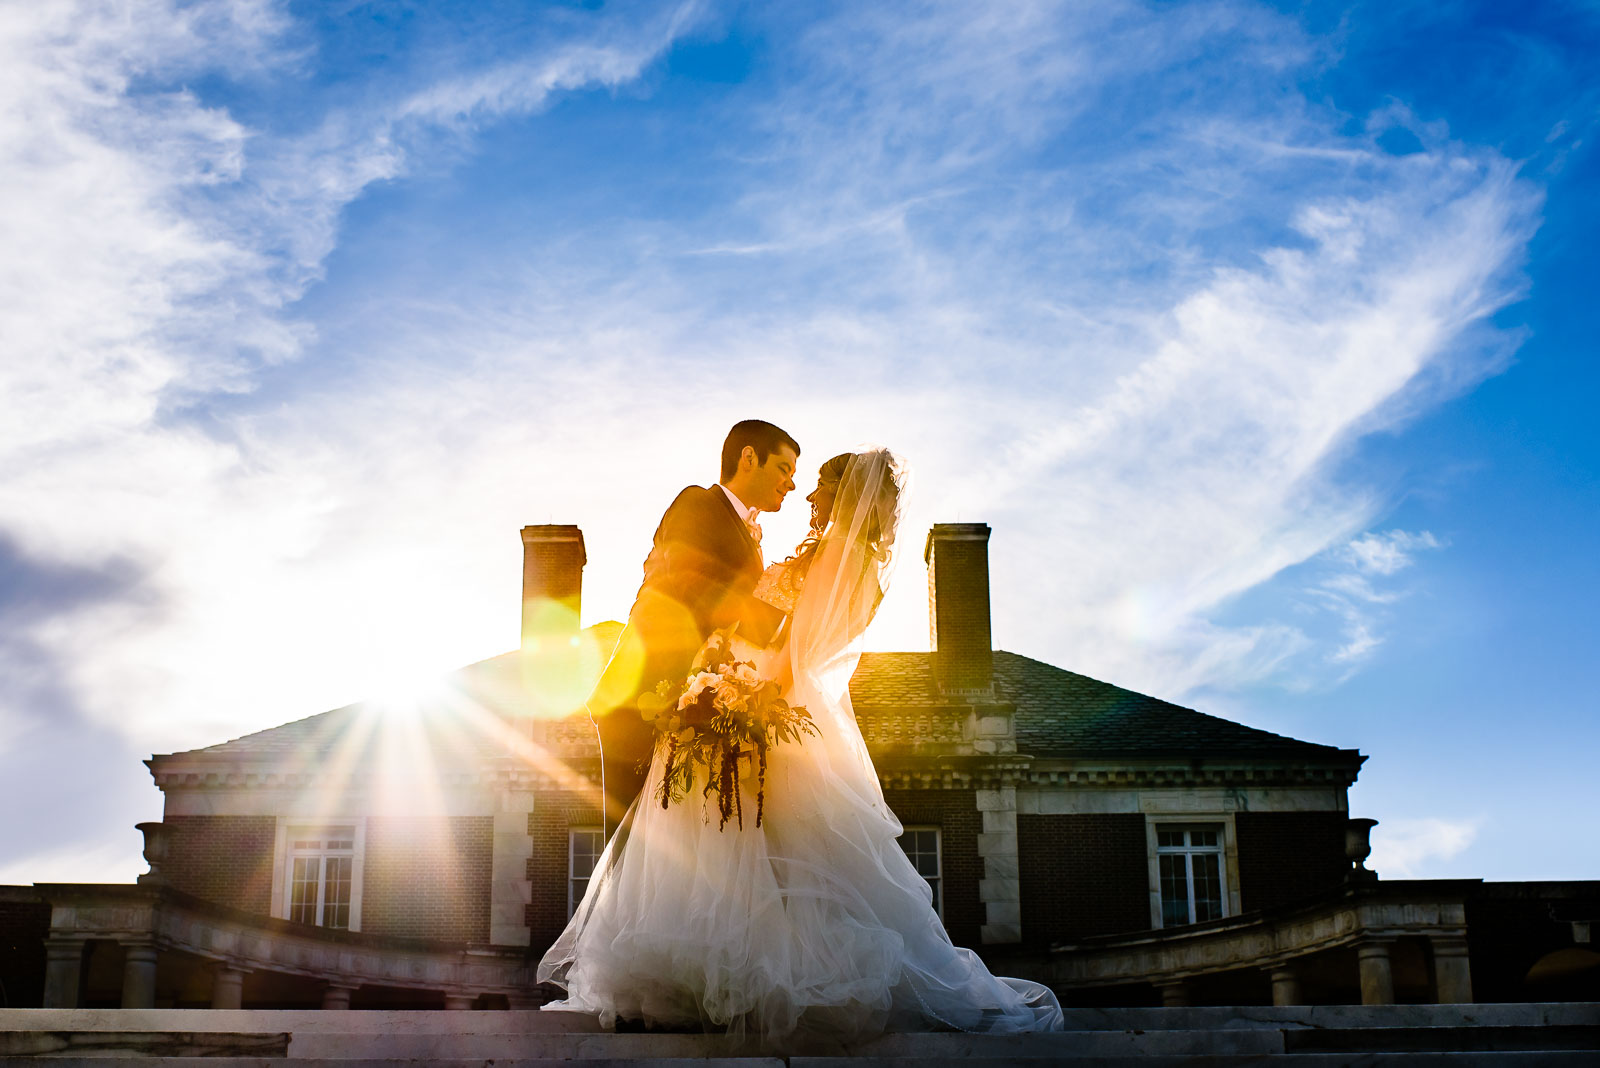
(817, 922)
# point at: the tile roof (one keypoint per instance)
(460, 726)
(1058, 714)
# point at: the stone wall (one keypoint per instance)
(226, 859)
(1082, 874)
(955, 813)
(428, 878)
(1288, 856)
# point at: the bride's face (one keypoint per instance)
(821, 500)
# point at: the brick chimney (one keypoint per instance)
(552, 584)
(958, 608)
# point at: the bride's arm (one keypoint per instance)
(781, 668)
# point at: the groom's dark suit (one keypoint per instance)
(698, 577)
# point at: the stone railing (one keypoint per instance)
(152, 921)
(1367, 918)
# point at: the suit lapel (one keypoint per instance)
(738, 521)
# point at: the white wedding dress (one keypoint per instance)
(816, 922)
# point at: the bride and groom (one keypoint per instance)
(813, 921)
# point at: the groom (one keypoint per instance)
(699, 577)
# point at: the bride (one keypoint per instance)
(815, 921)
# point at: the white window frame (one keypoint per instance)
(290, 829)
(575, 899)
(938, 859)
(1221, 851)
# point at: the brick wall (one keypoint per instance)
(958, 605)
(1287, 856)
(553, 814)
(1083, 874)
(226, 859)
(955, 813)
(23, 928)
(428, 878)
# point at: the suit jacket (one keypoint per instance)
(699, 577)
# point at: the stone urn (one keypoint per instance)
(156, 836)
(1358, 847)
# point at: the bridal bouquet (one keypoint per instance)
(722, 713)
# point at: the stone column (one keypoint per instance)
(1174, 995)
(458, 1001)
(510, 889)
(138, 975)
(1286, 985)
(1452, 972)
(1377, 979)
(337, 996)
(1000, 889)
(63, 973)
(227, 987)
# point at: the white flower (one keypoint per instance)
(697, 686)
(731, 695)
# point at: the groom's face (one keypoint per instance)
(771, 482)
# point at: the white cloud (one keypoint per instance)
(1386, 553)
(1419, 848)
(81, 862)
(1359, 591)
(164, 242)
(1132, 315)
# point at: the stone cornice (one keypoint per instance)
(257, 774)
(1189, 772)
(899, 767)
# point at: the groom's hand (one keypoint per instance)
(759, 621)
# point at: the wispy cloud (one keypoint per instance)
(1408, 848)
(1108, 276)
(1191, 294)
(164, 242)
(1357, 591)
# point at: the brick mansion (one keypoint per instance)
(1120, 848)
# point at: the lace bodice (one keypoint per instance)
(773, 587)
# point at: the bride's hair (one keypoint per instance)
(829, 474)
(849, 473)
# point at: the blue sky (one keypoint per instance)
(1261, 335)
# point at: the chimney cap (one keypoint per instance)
(953, 532)
(550, 532)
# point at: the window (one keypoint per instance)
(321, 876)
(922, 847)
(583, 849)
(1189, 866)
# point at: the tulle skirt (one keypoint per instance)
(815, 922)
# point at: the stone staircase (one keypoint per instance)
(1445, 1035)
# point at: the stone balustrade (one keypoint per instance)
(1366, 917)
(150, 921)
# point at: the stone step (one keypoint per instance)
(270, 1062)
(170, 1044)
(1511, 1014)
(1525, 1059)
(1454, 1039)
(300, 1021)
(1447, 1035)
(1037, 1047)
(903, 1049)
(531, 1021)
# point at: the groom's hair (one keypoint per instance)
(760, 436)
